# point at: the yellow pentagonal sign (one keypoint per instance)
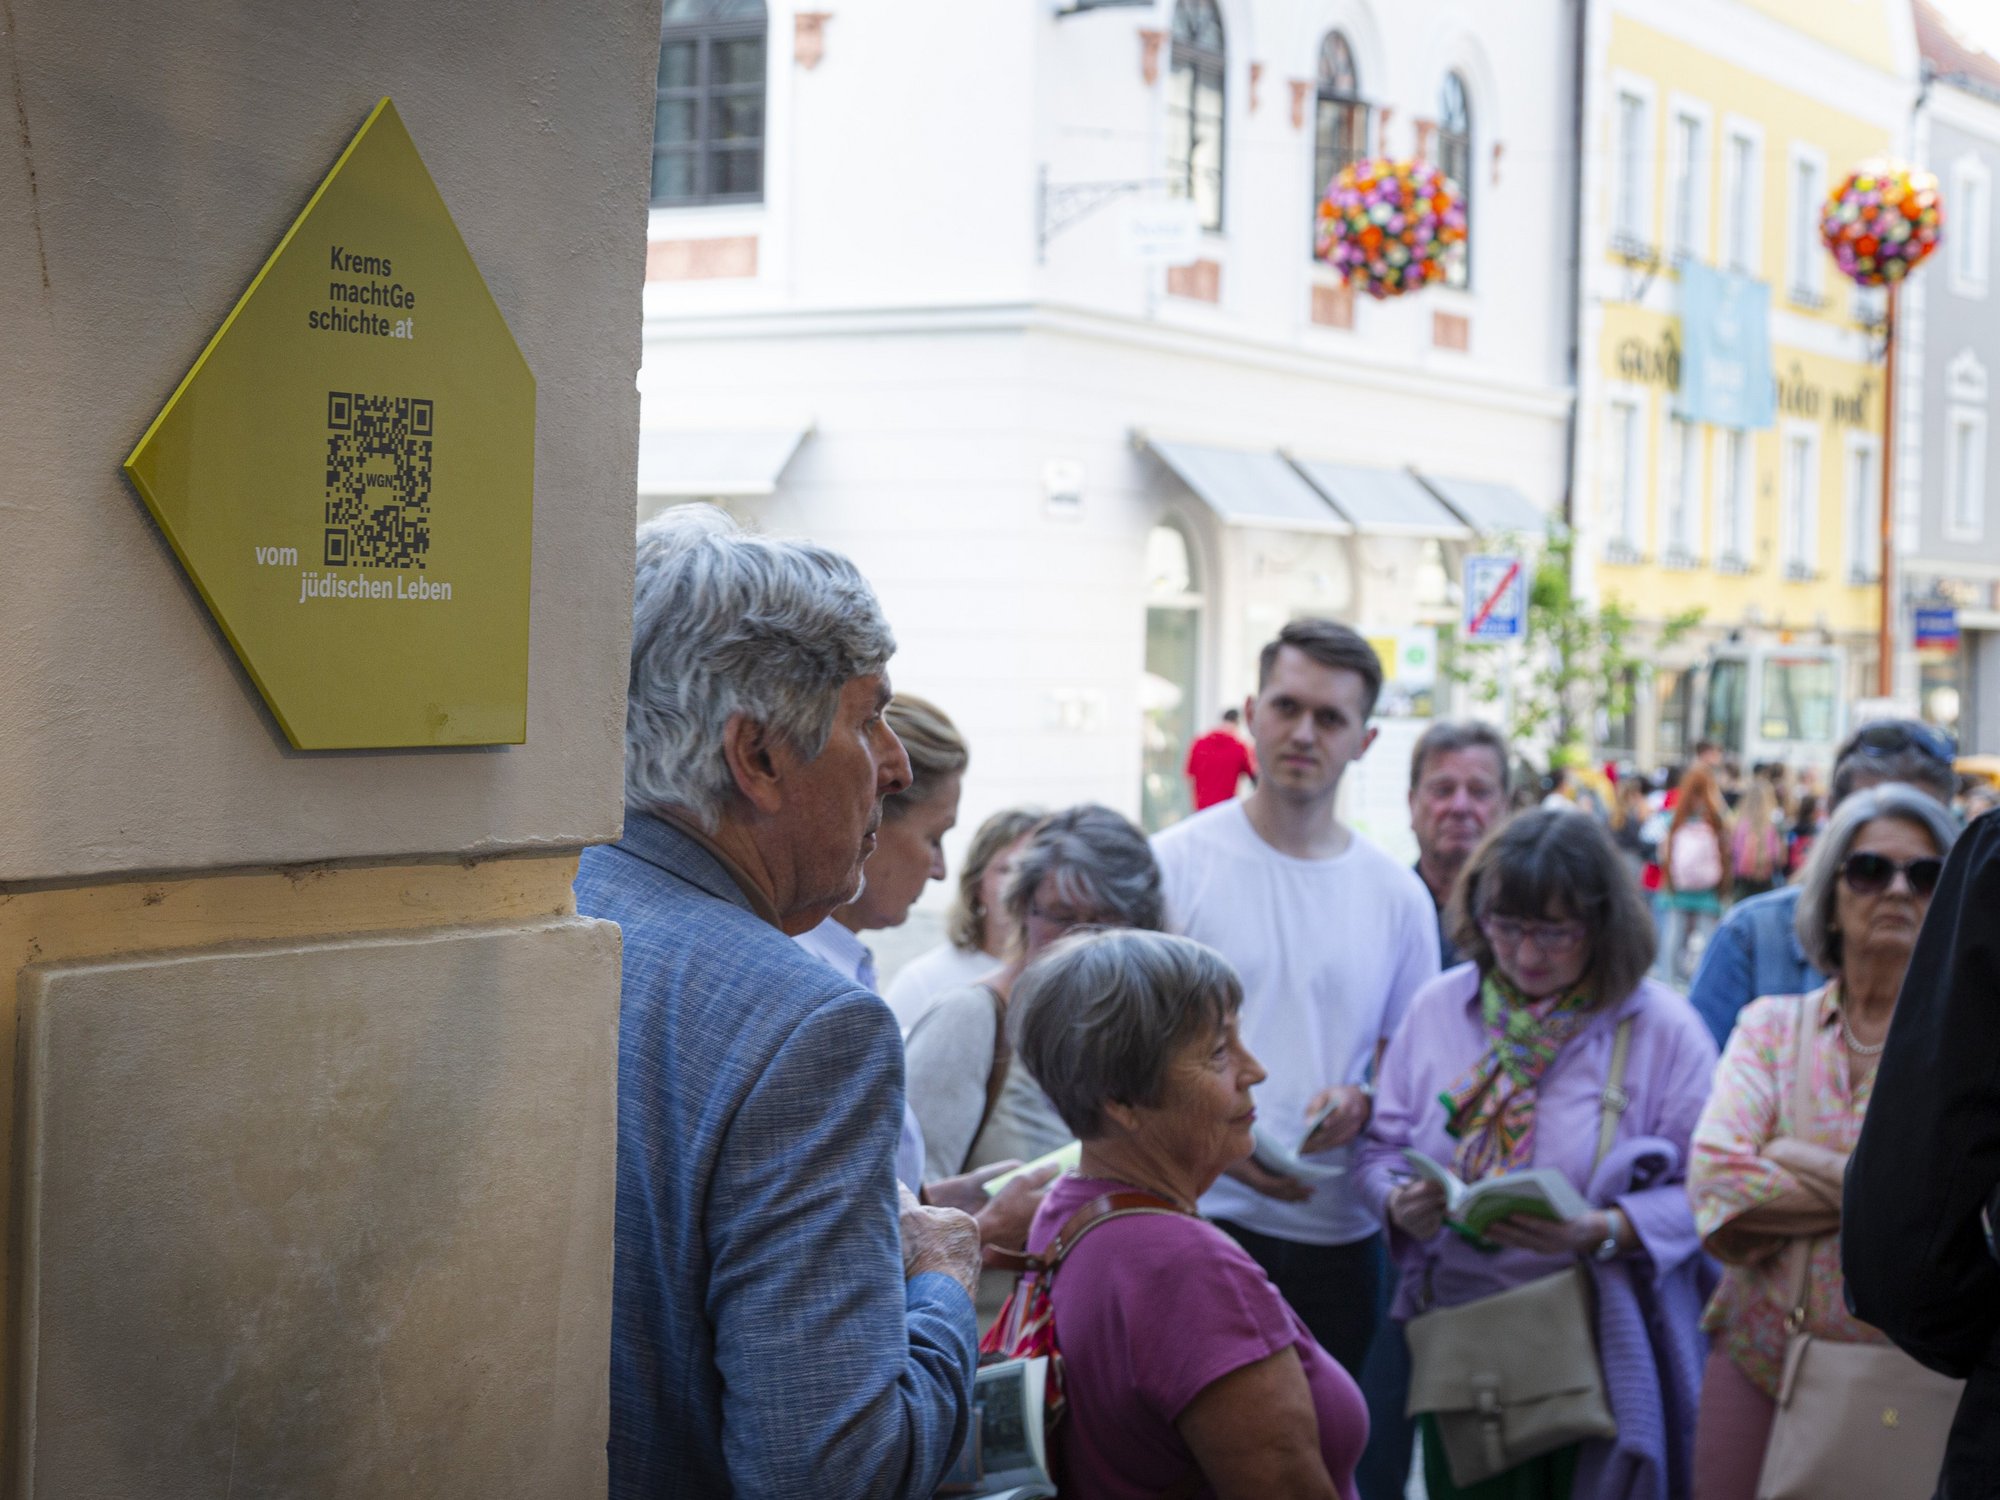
(347, 473)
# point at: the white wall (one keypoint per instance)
(899, 308)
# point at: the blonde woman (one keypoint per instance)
(977, 928)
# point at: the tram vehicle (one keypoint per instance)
(1765, 702)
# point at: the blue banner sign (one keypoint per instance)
(1937, 628)
(1725, 370)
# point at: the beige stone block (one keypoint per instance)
(319, 1221)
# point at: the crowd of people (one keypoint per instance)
(1282, 1062)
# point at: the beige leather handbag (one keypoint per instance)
(1516, 1375)
(1853, 1419)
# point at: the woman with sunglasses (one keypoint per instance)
(1767, 1186)
(1506, 1064)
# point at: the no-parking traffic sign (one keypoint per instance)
(1496, 598)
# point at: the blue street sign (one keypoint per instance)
(1937, 628)
(1496, 598)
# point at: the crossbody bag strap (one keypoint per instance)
(1802, 1247)
(1099, 1210)
(1616, 1101)
(1003, 1057)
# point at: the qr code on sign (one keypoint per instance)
(378, 480)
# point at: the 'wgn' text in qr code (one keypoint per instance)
(378, 480)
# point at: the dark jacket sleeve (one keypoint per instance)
(1916, 1260)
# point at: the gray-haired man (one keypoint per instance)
(1458, 790)
(772, 1334)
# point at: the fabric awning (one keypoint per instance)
(1249, 488)
(707, 464)
(1382, 502)
(1490, 509)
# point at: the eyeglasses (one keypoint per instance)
(1555, 939)
(1062, 917)
(1894, 736)
(1870, 874)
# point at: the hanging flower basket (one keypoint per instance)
(1882, 221)
(1390, 227)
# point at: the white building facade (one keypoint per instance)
(939, 309)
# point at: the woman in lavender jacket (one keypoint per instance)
(1502, 1064)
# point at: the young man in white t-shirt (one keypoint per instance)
(1331, 937)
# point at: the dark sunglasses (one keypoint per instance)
(1894, 736)
(1867, 874)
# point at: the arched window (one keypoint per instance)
(708, 119)
(1195, 95)
(1340, 126)
(1454, 159)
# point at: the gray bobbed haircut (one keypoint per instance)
(1817, 919)
(726, 622)
(1099, 859)
(1099, 1016)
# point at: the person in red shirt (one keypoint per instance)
(1218, 760)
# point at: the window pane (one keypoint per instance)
(1742, 202)
(1965, 475)
(1631, 164)
(1687, 162)
(677, 64)
(738, 61)
(674, 122)
(1799, 699)
(1455, 111)
(1336, 67)
(1199, 22)
(1805, 212)
(1326, 149)
(1207, 151)
(1798, 502)
(709, 126)
(1181, 130)
(736, 171)
(737, 117)
(673, 176)
(712, 10)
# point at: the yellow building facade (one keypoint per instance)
(1713, 132)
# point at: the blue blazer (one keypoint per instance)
(763, 1339)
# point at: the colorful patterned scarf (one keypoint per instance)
(1490, 1111)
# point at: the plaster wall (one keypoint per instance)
(1026, 622)
(160, 154)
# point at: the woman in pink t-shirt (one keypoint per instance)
(1187, 1373)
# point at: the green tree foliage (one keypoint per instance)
(1575, 663)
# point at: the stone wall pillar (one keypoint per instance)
(307, 1064)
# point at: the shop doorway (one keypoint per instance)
(1170, 702)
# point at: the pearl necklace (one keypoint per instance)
(1847, 1035)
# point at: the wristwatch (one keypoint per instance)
(1607, 1251)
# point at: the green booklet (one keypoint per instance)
(1540, 1193)
(1064, 1158)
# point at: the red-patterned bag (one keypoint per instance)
(1026, 1326)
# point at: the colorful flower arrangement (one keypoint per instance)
(1882, 221)
(1390, 227)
